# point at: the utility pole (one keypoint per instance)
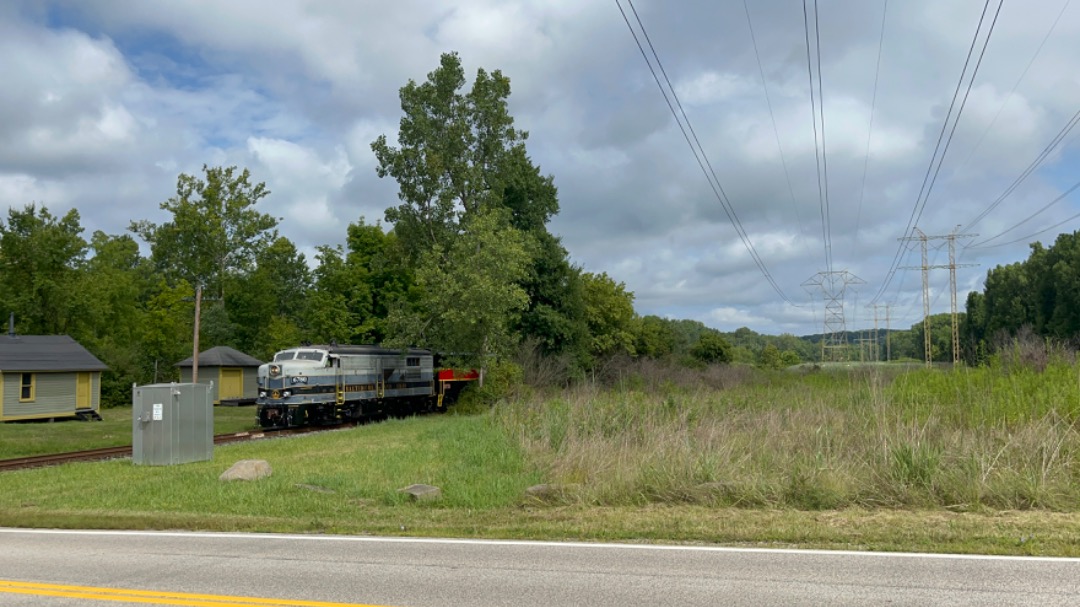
(926, 267)
(833, 286)
(888, 331)
(888, 335)
(195, 355)
(877, 336)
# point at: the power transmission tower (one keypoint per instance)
(833, 285)
(888, 330)
(926, 267)
(877, 336)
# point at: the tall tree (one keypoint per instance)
(339, 306)
(458, 152)
(274, 292)
(110, 291)
(471, 300)
(555, 316)
(381, 259)
(712, 348)
(215, 228)
(610, 314)
(460, 156)
(41, 257)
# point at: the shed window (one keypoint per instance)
(412, 361)
(26, 387)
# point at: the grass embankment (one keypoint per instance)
(983, 460)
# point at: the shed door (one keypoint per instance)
(82, 391)
(232, 383)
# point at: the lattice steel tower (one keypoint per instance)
(833, 286)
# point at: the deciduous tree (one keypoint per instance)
(215, 228)
(41, 257)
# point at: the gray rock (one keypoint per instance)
(247, 470)
(551, 492)
(422, 493)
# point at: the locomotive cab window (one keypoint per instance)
(280, 356)
(412, 361)
(26, 387)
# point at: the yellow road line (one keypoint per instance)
(154, 597)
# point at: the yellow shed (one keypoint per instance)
(233, 373)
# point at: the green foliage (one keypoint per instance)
(940, 338)
(502, 380)
(712, 348)
(555, 318)
(1040, 292)
(274, 294)
(41, 257)
(339, 309)
(656, 337)
(471, 292)
(770, 358)
(215, 229)
(167, 333)
(460, 162)
(609, 310)
(458, 153)
(790, 358)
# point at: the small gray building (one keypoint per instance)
(47, 376)
(234, 373)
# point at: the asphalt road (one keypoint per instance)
(110, 568)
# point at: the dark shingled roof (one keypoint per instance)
(28, 353)
(222, 356)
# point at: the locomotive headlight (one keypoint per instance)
(262, 393)
(286, 393)
(275, 370)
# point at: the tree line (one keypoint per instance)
(469, 268)
(1040, 294)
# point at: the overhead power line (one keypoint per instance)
(1035, 164)
(941, 150)
(1016, 85)
(870, 128)
(776, 130)
(695, 144)
(817, 109)
(983, 245)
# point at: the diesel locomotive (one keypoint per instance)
(331, 384)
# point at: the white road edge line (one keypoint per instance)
(482, 542)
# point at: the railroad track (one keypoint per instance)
(104, 453)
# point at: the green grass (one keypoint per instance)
(975, 461)
(964, 440)
(22, 439)
(319, 482)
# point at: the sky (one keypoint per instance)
(103, 104)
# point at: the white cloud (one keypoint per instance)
(103, 112)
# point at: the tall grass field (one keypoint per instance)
(967, 460)
(964, 439)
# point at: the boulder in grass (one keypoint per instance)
(247, 470)
(422, 493)
(552, 493)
